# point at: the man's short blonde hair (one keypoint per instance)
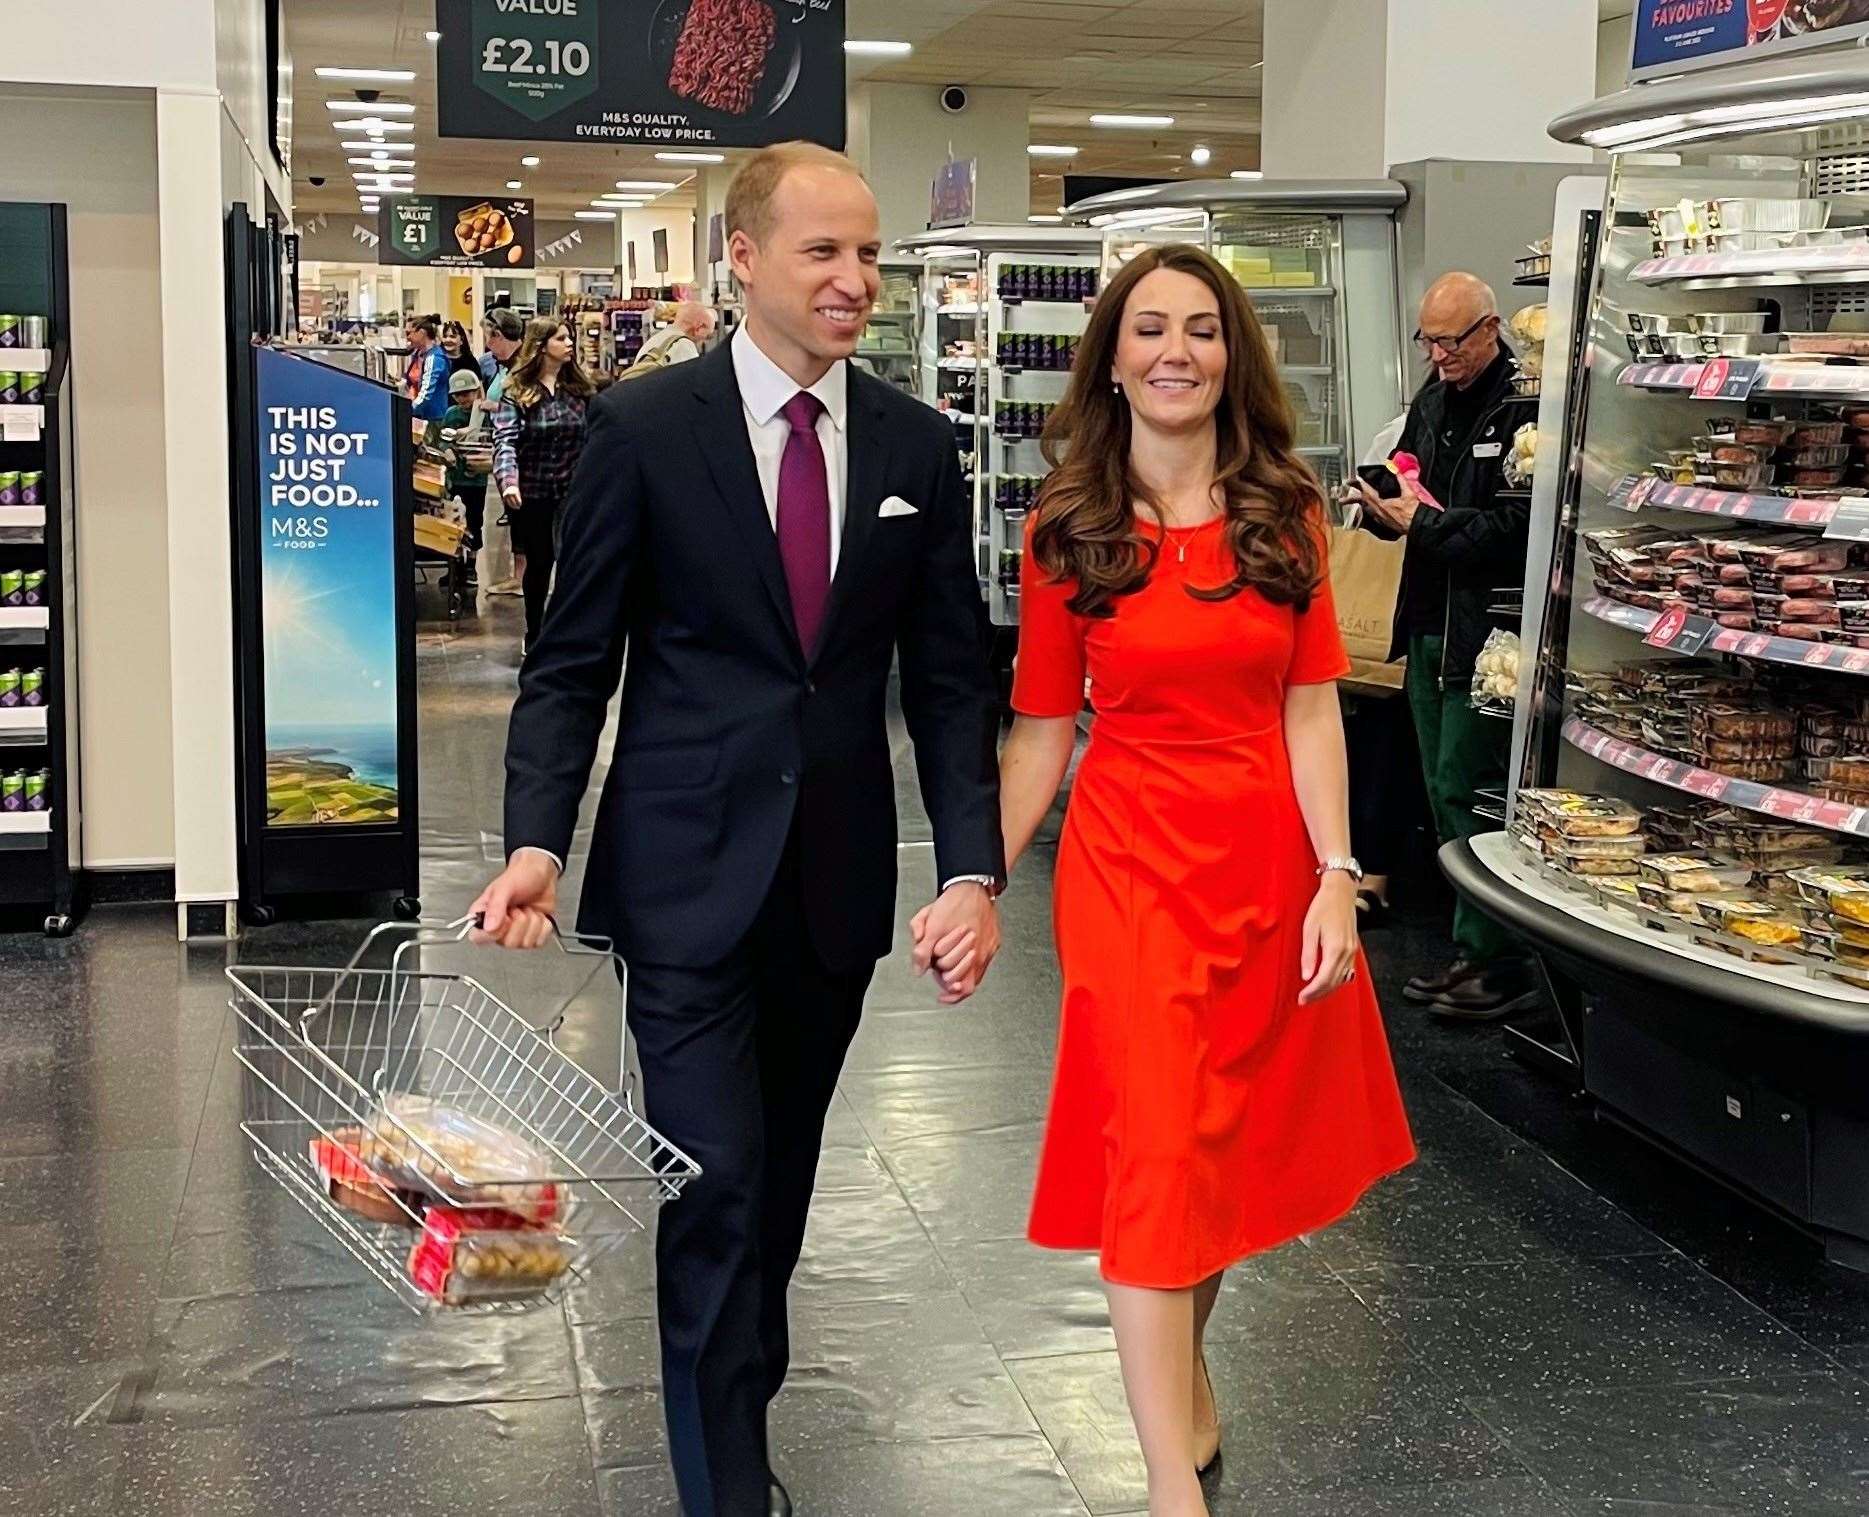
(750, 196)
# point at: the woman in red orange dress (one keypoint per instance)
(1223, 1080)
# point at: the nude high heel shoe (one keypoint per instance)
(1207, 1439)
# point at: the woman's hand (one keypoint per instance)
(511, 497)
(1329, 961)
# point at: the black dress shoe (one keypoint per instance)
(1425, 987)
(1496, 990)
(778, 1502)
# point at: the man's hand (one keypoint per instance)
(1398, 514)
(511, 496)
(1357, 492)
(517, 909)
(957, 936)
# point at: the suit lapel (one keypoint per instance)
(863, 498)
(720, 434)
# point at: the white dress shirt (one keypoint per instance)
(764, 390)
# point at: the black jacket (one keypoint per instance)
(728, 733)
(1481, 537)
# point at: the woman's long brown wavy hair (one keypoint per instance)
(1086, 529)
(523, 386)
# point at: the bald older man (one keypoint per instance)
(1461, 552)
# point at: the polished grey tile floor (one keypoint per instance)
(1540, 1318)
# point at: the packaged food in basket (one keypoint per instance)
(353, 1185)
(469, 1256)
(1701, 873)
(454, 1157)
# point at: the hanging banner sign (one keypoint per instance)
(951, 196)
(327, 505)
(456, 232)
(663, 73)
(1672, 36)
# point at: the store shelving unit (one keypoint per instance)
(1319, 260)
(40, 850)
(890, 344)
(1755, 1073)
(971, 298)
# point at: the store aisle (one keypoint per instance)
(1540, 1318)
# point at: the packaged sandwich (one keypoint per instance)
(467, 1257)
(353, 1185)
(1698, 872)
(1590, 816)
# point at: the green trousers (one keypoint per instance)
(1462, 753)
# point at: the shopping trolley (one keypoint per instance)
(340, 1059)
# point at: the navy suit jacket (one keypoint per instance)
(731, 737)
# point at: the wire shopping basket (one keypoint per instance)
(436, 1134)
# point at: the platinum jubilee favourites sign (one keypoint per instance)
(1672, 36)
(663, 73)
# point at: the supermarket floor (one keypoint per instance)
(1539, 1318)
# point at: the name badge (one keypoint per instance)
(1488, 449)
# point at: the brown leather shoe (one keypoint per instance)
(1496, 990)
(1423, 988)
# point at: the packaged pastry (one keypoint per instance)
(452, 1156)
(353, 1185)
(464, 1257)
(1698, 872)
(1591, 816)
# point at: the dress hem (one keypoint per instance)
(1331, 1217)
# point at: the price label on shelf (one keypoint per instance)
(1727, 379)
(1850, 521)
(1704, 782)
(19, 423)
(1679, 632)
(1620, 492)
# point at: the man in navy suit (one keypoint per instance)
(761, 532)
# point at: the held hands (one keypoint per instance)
(957, 936)
(1398, 514)
(1329, 959)
(517, 909)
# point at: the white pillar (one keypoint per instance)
(909, 137)
(1355, 86)
(201, 625)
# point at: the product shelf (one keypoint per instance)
(1749, 795)
(1271, 292)
(21, 423)
(25, 822)
(1833, 658)
(1840, 263)
(22, 724)
(1777, 376)
(1769, 510)
(960, 363)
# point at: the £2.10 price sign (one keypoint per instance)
(536, 56)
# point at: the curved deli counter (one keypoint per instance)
(1702, 651)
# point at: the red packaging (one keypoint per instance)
(466, 1256)
(353, 1185)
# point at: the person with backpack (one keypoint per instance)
(677, 343)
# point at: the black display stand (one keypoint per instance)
(322, 868)
(40, 853)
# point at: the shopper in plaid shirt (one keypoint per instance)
(538, 434)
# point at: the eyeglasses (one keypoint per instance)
(1449, 345)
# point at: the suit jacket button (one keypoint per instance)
(788, 776)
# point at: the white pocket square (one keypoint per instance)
(897, 506)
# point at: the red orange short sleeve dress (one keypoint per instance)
(1199, 1113)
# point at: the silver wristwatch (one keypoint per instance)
(1335, 865)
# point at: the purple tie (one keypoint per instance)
(805, 518)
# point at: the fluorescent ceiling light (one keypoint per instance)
(531, 163)
(369, 147)
(432, 36)
(616, 204)
(368, 75)
(370, 107)
(1201, 157)
(1045, 218)
(1103, 118)
(880, 49)
(514, 184)
(658, 185)
(382, 163)
(1051, 150)
(1248, 174)
(594, 215)
(691, 157)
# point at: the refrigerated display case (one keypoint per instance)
(1700, 651)
(1319, 259)
(890, 344)
(1002, 308)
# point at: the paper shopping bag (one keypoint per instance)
(1366, 582)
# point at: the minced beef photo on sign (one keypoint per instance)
(722, 55)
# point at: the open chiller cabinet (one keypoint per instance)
(1319, 261)
(1688, 579)
(1013, 300)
